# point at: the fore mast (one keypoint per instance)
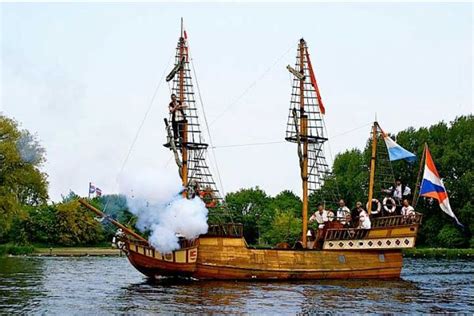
(305, 127)
(185, 138)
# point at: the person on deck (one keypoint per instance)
(178, 118)
(407, 209)
(355, 213)
(321, 217)
(399, 192)
(343, 213)
(364, 220)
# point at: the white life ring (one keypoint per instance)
(330, 216)
(379, 206)
(392, 202)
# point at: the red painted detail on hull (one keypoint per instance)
(153, 267)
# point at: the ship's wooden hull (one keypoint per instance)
(152, 263)
(230, 258)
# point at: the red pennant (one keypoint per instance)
(315, 84)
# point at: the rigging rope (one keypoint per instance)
(332, 158)
(207, 125)
(253, 84)
(140, 127)
(144, 119)
(284, 142)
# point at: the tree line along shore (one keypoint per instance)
(28, 218)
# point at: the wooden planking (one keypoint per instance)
(230, 258)
(404, 231)
(275, 263)
(297, 264)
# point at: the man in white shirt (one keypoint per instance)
(399, 191)
(343, 212)
(320, 216)
(407, 209)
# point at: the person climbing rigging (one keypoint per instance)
(178, 118)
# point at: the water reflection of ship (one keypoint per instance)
(223, 252)
(189, 296)
(302, 297)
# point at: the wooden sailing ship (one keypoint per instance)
(223, 253)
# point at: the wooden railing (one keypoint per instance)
(398, 220)
(183, 243)
(346, 233)
(226, 230)
(379, 222)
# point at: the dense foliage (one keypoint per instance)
(21, 181)
(452, 147)
(26, 217)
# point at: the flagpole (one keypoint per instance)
(89, 191)
(417, 186)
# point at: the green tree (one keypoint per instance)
(41, 224)
(76, 225)
(115, 206)
(248, 206)
(285, 227)
(451, 146)
(21, 180)
(451, 237)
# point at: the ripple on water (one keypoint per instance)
(110, 285)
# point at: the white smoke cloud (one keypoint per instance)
(154, 197)
(29, 148)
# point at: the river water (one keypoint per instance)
(110, 285)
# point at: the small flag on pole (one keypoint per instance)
(91, 188)
(98, 192)
(432, 186)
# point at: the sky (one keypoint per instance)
(82, 77)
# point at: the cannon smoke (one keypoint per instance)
(154, 197)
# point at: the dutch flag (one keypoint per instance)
(432, 186)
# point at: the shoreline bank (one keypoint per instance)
(441, 253)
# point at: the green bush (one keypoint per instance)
(450, 237)
(9, 249)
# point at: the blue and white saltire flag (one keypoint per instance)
(397, 152)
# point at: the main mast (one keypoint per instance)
(305, 127)
(189, 146)
(304, 134)
(184, 150)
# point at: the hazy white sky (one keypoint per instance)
(82, 76)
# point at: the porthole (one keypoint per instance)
(342, 259)
(381, 257)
